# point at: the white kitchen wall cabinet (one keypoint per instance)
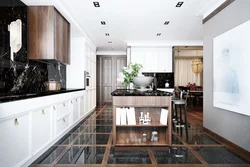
(153, 59)
(15, 143)
(28, 127)
(42, 123)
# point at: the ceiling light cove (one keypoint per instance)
(166, 22)
(96, 4)
(103, 22)
(107, 34)
(158, 34)
(179, 4)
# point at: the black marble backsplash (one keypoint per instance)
(162, 78)
(23, 75)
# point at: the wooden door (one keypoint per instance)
(108, 68)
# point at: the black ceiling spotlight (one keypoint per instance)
(107, 34)
(158, 34)
(96, 4)
(166, 22)
(110, 41)
(103, 22)
(179, 4)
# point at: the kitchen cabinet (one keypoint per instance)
(81, 106)
(76, 112)
(61, 109)
(41, 128)
(28, 132)
(14, 145)
(153, 59)
(62, 124)
(48, 34)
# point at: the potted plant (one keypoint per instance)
(128, 73)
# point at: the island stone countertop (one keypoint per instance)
(135, 92)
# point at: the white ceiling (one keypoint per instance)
(131, 21)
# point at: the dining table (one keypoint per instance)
(196, 96)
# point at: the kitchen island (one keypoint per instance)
(146, 103)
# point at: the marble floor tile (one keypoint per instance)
(200, 139)
(128, 157)
(67, 139)
(219, 155)
(50, 155)
(83, 155)
(175, 155)
(92, 139)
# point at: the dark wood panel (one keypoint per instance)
(49, 34)
(62, 38)
(108, 68)
(217, 10)
(40, 32)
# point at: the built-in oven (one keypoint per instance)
(86, 79)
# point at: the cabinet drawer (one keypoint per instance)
(75, 106)
(62, 124)
(41, 129)
(15, 138)
(61, 109)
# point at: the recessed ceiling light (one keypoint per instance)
(96, 4)
(179, 4)
(103, 22)
(166, 22)
(158, 34)
(110, 41)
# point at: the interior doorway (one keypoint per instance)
(108, 68)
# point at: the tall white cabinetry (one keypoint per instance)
(90, 99)
(153, 59)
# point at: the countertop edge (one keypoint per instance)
(35, 95)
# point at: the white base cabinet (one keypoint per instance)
(15, 143)
(25, 134)
(41, 125)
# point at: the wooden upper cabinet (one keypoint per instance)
(48, 34)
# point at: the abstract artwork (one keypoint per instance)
(231, 57)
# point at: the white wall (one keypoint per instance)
(230, 125)
(75, 71)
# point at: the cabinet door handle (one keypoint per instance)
(64, 104)
(71, 102)
(16, 121)
(54, 107)
(82, 97)
(64, 120)
(43, 112)
(76, 99)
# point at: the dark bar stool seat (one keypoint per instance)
(179, 122)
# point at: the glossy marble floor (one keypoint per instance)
(90, 144)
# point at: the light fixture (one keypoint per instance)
(96, 4)
(107, 34)
(103, 23)
(179, 4)
(197, 65)
(110, 42)
(158, 34)
(166, 22)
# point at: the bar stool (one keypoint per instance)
(181, 103)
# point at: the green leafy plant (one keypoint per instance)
(128, 73)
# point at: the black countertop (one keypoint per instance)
(7, 97)
(135, 92)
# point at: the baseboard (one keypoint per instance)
(239, 150)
